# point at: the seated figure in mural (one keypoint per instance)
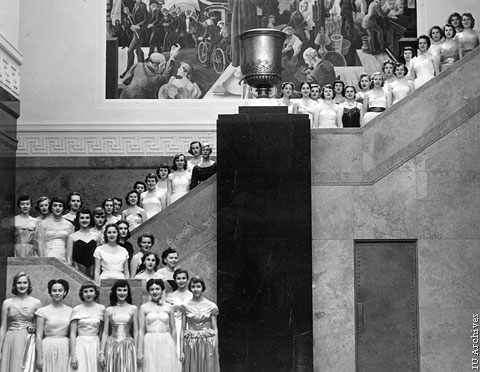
(372, 27)
(299, 21)
(291, 48)
(319, 71)
(182, 86)
(144, 79)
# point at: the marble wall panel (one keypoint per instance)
(332, 212)
(448, 273)
(445, 343)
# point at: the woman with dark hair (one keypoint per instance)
(467, 39)
(436, 38)
(117, 207)
(52, 233)
(305, 105)
(41, 206)
(449, 49)
(117, 351)
(177, 298)
(425, 65)
(109, 206)
(17, 331)
(315, 92)
(183, 85)
(157, 332)
(178, 180)
(124, 235)
(53, 328)
(85, 328)
(456, 21)
(111, 260)
(375, 101)
(339, 89)
(350, 112)
(151, 201)
(195, 150)
(24, 228)
(139, 186)
(206, 169)
(82, 244)
(285, 98)
(145, 242)
(363, 87)
(149, 265)
(326, 112)
(406, 56)
(74, 203)
(134, 215)
(99, 220)
(401, 87)
(170, 260)
(199, 350)
(388, 74)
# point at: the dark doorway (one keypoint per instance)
(386, 306)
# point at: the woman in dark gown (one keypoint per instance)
(205, 169)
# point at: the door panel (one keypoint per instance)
(386, 306)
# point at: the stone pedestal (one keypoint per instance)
(264, 241)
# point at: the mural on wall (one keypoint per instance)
(202, 37)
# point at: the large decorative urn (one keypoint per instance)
(262, 59)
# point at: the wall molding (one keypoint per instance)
(84, 143)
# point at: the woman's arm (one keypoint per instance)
(169, 189)
(69, 249)
(106, 322)
(389, 96)
(126, 271)
(361, 112)
(316, 117)
(38, 342)
(173, 328)
(295, 108)
(182, 333)
(135, 324)
(215, 329)
(141, 334)
(436, 65)
(365, 106)
(96, 275)
(3, 327)
(40, 239)
(339, 111)
(73, 342)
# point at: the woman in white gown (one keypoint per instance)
(375, 101)
(178, 180)
(401, 87)
(326, 112)
(24, 228)
(424, 66)
(305, 105)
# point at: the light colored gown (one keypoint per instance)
(19, 346)
(375, 101)
(24, 235)
(180, 185)
(327, 115)
(151, 203)
(88, 341)
(399, 89)
(53, 235)
(120, 355)
(160, 353)
(424, 70)
(448, 54)
(112, 263)
(55, 345)
(199, 343)
(177, 302)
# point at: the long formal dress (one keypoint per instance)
(120, 355)
(376, 105)
(134, 220)
(199, 344)
(112, 263)
(151, 203)
(55, 345)
(159, 352)
(87, 343)
(177, 302)
(326, 115)
(52, 235)
(400, 89)
(424, 70)
(351, 116)
(24, 235)
(448, 54)
(82, 254)
(180, 184)
(18, 352)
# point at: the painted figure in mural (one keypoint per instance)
(347, 8)
(299, 22)
(393, 8)
(182, 86)
(156, 28)
(144, 79)
(139, 20)
(291, 48)
(319, 71)
(371, 26)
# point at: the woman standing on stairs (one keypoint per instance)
(196, 151)
(375, 101)
(401, 87)
(134, 215)
(350, 112)
(170, 260)
(467, 39)
(17, 331)
(24, 228)
(388, 72)
(424, 66)
(151, 202)
(326, 112)
(449, 49)
(363, 87)
(206, 169)
(179, 179)
(305, 105)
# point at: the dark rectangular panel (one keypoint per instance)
(264, 242)
(386, 306)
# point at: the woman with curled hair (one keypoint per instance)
(388, 70)
(117, 349)
(206, 169)
(41, 206)
(199, 349)
(339, 89)
(17, 330)
(437, 38)
(195, 149)
(467, 39)
(152, 203)
(350, 112)
(305, 105)
(74, 203)
(455, 19)
(53, 328)
(182, 86)
(52, 233)
(111, 260)
(449, 49)
(169, 259)
(326, 112)
(85, 329)
(24, 228)
(286, 95)
(162, 173)
(425, 65)
(401, 87)
(179, 179)
(157, 332)
(363, 87)
(133, 214)
(375, 101)
(406, 55)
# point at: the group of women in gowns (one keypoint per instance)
(119, 338)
